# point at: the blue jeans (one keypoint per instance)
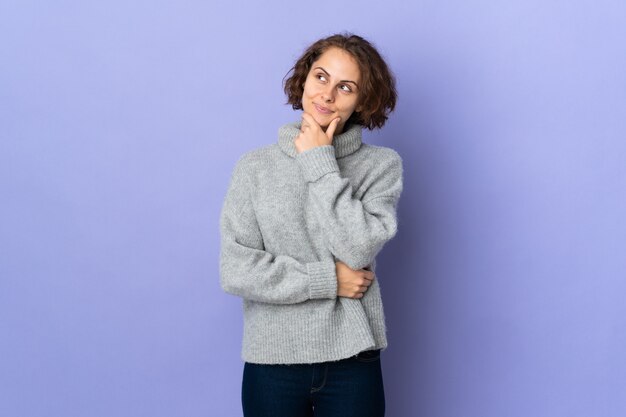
(351, 387)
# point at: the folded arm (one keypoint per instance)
(355, 229)
(248, 271)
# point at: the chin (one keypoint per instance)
(323, 123)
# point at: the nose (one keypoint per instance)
(328, 94)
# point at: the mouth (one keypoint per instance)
(322, 110)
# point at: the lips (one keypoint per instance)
(322, 110)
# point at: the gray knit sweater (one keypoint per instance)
(286, 218)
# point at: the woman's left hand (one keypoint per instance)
(311, 133)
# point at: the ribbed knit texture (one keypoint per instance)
(287, 217)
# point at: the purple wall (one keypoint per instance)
(120, 125)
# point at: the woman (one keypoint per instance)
(302, 222)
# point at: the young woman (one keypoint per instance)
(302, 222)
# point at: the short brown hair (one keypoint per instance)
(377, 94)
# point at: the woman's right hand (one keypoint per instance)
(352, 283)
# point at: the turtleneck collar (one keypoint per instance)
(345, 143)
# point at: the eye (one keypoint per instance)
(346, 89)
(322, 77)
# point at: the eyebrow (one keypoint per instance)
(342, 81)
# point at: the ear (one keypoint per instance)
(359, 107)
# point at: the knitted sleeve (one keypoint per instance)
(248, 271)
(355, 229)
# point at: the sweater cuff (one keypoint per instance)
(317, 162)
(322, 279)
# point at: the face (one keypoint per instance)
(331, 88)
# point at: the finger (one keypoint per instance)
(309, 120)
(368, 274)
(330, 131)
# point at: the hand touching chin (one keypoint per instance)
(324, 123)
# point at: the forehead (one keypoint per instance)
(339, 64)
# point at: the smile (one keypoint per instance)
(322, 110)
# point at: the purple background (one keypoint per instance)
(120, 123)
